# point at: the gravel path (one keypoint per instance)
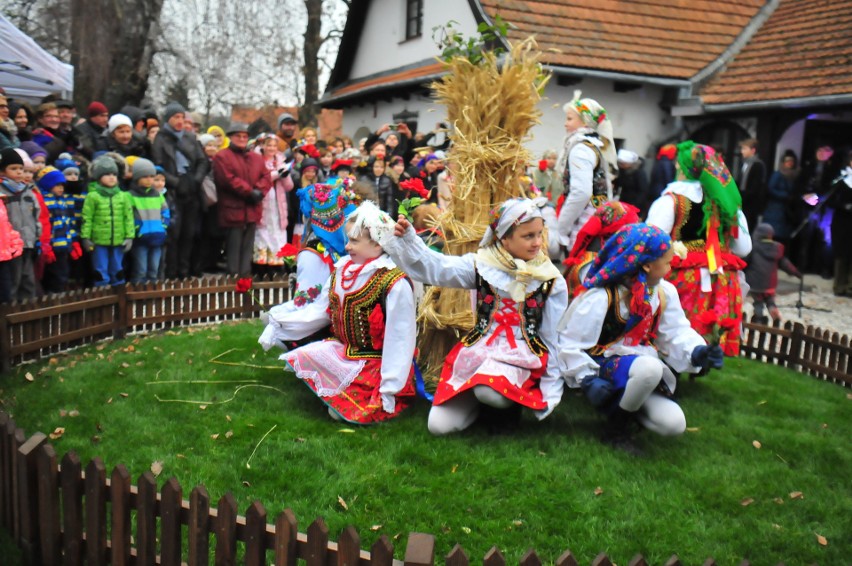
(835, 313)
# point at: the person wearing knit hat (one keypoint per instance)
(108, 225)
(152, 216)
(11, 243)
(702, 208)
(117, 120)
(171, 109)
(616, 332)
(92, 133)
(587, 164)
(508, 360)
(23, 210)
(124, 140)
(63, 229)
(631, 185)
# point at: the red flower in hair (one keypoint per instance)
(244, 285)
(377, 327)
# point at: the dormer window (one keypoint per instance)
(413, 18)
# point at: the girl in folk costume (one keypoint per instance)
(364, 372)
(271, 233)
(608, 219)
(587, 163)
(702, 208)
(615, 332)
(507, 359)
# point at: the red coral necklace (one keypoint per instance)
(347, 281)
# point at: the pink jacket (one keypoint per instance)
(281, 185)
(11, 244)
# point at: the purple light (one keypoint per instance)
(812, 117)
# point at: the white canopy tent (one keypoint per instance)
(26, 70)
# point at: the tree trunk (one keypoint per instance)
(312, 44)
(111, 50)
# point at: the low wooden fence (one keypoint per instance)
(821, 353)
(40, 328)
(62, 513)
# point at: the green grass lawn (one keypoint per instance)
(550, 486)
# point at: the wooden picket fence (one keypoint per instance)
(821, 353)
(60, 513)
(35, 329)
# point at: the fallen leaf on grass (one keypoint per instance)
(796, 495)
(214, 436)
(824, 425)
(229, 434)
(228, 418)
(455, 467)
(761, 402)
(217, 337)
(466, 530)
(247, 484)
(125, 394)
(53, 361)
(158, 349)
(693, 428)
(342, 503)
(109, 400)
(821, 539)
(747, 501)
(99, 347)
(346, 430)
(157, 467)
(598, 490)
(756, 444)
(125, 365)
(202, 407)
(181, 456)
(777, 526)
(779, 501)
(29, 377)
(73, 413)
(299, 439)
(376, 527)
(517, 522)
(57, 433)
(63, 412)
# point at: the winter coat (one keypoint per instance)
(282, 184)
(384, 188)
(46, 232)
(633, 186)
(777, 213)
(236, 173)
(91, 138)
(63, 224)
(150, 215)
(11, 244)
(662, 174)
(765, 259)
(188, 185)
(23, 211)
(138, 146)
(107, 216)
(841, 222)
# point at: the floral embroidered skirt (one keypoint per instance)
(724, 299)
(349, 386)
(514, 373)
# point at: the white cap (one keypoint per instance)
(117, 120)
(627, 156)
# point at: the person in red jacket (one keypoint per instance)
(242, 180)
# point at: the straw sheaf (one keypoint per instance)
(492, 107)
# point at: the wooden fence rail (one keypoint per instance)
(61, 513)
(46, 326)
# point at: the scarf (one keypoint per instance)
(13, 186)
(620, 261)
(523, 272)
(181, 160)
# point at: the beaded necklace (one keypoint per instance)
(347, 282)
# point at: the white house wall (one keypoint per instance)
(636, 116)
(383, 45)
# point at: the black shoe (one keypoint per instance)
(624, 442)
(500, 421)
(618, 431)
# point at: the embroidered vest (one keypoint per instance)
(598, 176)
(350, 321)
(532, 311)
(614, 323)
(689, 216)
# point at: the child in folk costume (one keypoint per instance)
(702, 208)
(508, 359)
(587, 163)
(616, 331)
(608, 219)
(364, 372)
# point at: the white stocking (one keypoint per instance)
(455, 415)
(662, 415)
(643, 377)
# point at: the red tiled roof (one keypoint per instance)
(662, 38)
(803, 50)
(423, 71)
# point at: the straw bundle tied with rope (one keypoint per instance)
(492, 106)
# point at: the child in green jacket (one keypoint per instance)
(108, 227)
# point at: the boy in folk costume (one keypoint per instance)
(616, 331)
(508, 359)
(587, 163)
(364, 373)
(702, 208)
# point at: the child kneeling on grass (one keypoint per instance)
(616, 331)
(364, 373)
(508, 360)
